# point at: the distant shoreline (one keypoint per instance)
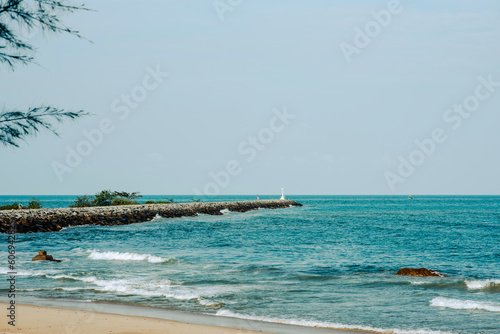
(52, 220)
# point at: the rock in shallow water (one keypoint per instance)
(42, 256)
(417, 272)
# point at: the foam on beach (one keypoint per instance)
(458, 304)
(118, 256)
(329, 325)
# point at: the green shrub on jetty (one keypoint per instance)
(13, 206)
(82, 202)
(33, 204)
(106, 198)
(166, 201)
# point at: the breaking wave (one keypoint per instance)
(117, 256)
(465, 304)
(489, 284)
(158, 288)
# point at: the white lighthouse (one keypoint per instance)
(282, 194)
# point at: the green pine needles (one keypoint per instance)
(16, 125)
(18, 17)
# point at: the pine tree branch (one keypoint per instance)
(30, 15)
(16, 125)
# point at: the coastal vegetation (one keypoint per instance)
(106, 198)
(109, 198)
(112, 198)
(32, 204)
(13, 206)
(102, 198)
(171, 201)
(167, 201)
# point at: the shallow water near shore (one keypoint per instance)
(331, 263)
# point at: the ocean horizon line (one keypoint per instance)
(275, 194)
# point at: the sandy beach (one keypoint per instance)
(31, 319)
(49, 320)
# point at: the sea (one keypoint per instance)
(331, 263)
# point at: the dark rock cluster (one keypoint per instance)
(421, 272)
(50, 220)
(42, 256)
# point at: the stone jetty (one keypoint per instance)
(51, 220)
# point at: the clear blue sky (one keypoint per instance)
(356, 102)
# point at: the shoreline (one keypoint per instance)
(61, 316)
(53, 220)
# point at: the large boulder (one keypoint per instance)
(42, 256)
(417, 272)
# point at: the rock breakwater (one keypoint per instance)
(51, 220)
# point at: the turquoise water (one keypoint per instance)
(331, 263)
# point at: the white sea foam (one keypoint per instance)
(74, 227)
(208, 303)
(156, 218)
(76, 278)
(465, 304)
(118, 256)
(71, 289)
(19, 272)
(28, 272)
(483, 284)
(57, 288)
(418, 282)
(159, 288)
(127, 286)
(312, 323)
